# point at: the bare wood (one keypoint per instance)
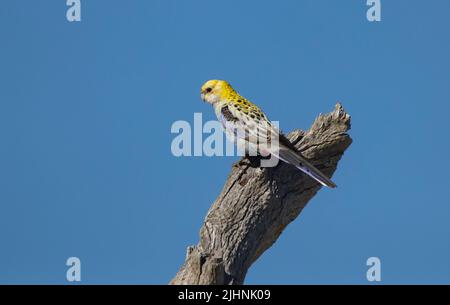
(256, 204)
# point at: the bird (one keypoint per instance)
(245, 123)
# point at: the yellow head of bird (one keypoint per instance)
(215, 90)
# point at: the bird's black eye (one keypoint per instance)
(208, 90)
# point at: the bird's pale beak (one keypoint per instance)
(203, 97)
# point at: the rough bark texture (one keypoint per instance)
(256, 204)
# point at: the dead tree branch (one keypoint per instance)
(256, 204)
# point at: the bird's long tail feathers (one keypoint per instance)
(287, 155)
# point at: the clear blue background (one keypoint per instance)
(86, 109)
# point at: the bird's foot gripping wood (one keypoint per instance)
(253, 161)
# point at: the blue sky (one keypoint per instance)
(86, 109)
